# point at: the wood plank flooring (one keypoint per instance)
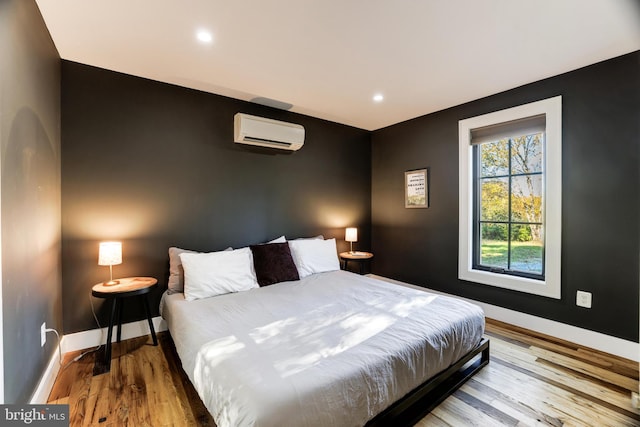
(532, 380)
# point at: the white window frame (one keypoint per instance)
(552, 168)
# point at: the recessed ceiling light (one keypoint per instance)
(204, 36)
(378, 97)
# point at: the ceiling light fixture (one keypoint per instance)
(204, 36)
(378, 97)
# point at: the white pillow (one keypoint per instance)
(314, 256)
(280, 239)
(216, 273)
(319, 236)
(175, 284)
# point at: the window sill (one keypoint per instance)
(544, 288)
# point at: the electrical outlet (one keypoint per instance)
(43, 334)
(583, 299)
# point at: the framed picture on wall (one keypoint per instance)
(416, 188)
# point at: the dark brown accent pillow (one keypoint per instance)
(273, 263)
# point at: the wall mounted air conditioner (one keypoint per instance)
(270, 133)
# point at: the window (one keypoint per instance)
(507, 199)
(510, 198)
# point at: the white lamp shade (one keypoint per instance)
(110, 253)
(351, 234)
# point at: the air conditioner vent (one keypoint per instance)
(260, 131)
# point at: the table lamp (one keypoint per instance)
(110, 254)
(351, 235)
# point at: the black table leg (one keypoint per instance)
(120, 304)
(146, 308)
(107, 349)
(104, 365)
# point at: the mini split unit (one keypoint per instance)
(253, 130)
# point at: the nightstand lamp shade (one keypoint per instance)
(351, 235)
(110, 254)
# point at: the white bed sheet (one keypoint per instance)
(332, 349)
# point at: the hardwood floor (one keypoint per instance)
(145, 387)
(532, 380)
(537, 380)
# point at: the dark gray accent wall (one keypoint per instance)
(155, 165)
(30, 193)
(601, 194)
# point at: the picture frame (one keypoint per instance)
(416, 188)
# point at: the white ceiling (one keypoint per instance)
(328, 58)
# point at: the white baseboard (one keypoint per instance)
(95, 337)
(596, 340)
(48, 378)
(84, 340)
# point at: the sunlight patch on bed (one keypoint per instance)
(217, 351)
(281, 330)
(351, 332)
(264, 333)
(408, 306)
(403, 304)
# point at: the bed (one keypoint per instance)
(331, 349)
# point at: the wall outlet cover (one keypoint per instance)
(583, 299)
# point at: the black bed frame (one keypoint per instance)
(419, 402)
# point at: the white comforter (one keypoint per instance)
(333, 349)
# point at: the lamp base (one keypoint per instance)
(111, 283)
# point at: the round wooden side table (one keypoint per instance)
(125, 288)
(359, 257)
